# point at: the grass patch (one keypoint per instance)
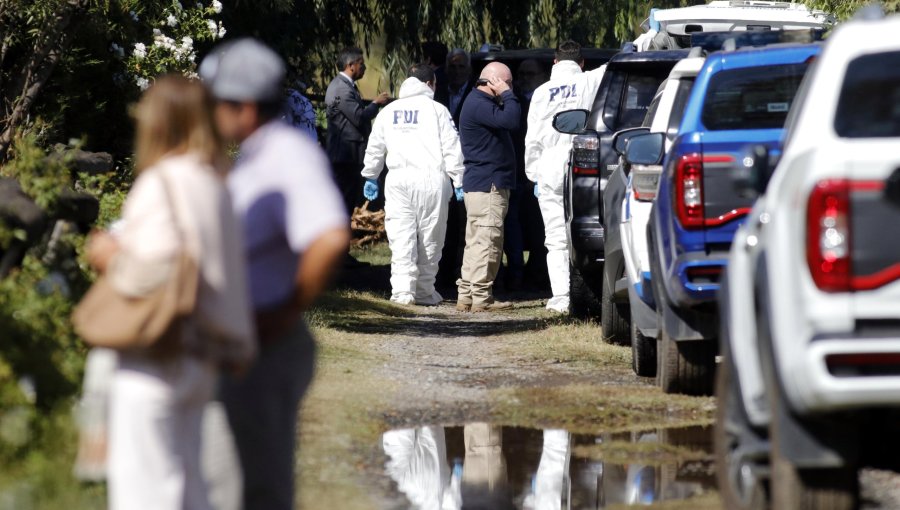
(649, 453)
(706, 501)
(590, 409)
(43, 478)
(563, 340)
(378, 254)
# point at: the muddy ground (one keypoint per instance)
(383, 367)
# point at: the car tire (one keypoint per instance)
(614, 318)
(643, 353)
(583, 303)
(739, 489)
(685, 367)
(811, 488)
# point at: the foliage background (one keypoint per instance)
(69, 71)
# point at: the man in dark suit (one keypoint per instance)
(349, 123)
(434, 54)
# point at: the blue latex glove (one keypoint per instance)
(370, 189)
(459, 194)
(536, 192)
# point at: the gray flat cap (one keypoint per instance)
(243, 70)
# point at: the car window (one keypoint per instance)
(869, 104)
(678, 105)
(635, 100)
(654, 105)
(751, 98)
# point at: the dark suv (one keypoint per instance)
(628, 87)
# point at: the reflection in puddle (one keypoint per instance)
(483, 466)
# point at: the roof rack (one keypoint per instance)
(714, 41)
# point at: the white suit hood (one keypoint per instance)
(414, 87)
(564, 69)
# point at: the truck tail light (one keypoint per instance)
(828, 235)
(586, 155)
(689, 191)
(645, 181)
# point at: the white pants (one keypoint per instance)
(553, 468)
(418, 463)
(415, 205)
(550, 200)
(156, 411)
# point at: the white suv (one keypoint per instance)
(668, 29)
(809, 385)
(664, 114)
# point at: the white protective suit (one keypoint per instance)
(418, 463)
(416, 137)
(546, 153)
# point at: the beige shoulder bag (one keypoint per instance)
(106, 318)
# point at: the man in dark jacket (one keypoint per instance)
(489, 116)
(349, 123)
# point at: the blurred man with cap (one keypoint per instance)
(296, 234)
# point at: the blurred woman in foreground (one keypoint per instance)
(178, 204)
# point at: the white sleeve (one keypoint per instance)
(376, 150)
(450, 146)
(313, 203)
(533, 143)
(149, 231)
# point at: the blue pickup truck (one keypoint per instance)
(740, 97)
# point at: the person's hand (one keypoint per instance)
(497, 85)
(381, 98)
(370, 189)
(460, 195)
(537, 192)
(101, 246)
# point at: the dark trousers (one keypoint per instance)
(262, 408)
(350, 183)
(454, 244)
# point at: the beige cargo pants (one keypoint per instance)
(485, 213)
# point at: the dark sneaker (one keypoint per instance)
(492, 306)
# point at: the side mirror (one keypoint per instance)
(571, 122)
(892, 188)
(645, 149)
(752, 171)
(620, 139)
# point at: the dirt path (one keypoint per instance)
(384, 367)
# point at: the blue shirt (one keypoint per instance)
(283, 192)
(485, 132)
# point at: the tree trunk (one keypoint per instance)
(46, 54)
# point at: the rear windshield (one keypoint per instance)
(636, 98)
(869, 106)
(751, 98)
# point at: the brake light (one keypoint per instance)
(644, 182)
(689, 190)
(828, 235)
(586, 155)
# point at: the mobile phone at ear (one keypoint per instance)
(481, 82)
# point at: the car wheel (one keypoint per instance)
(685, 367)
(643, 353)
(809, 489)
(737, 479)
(583, 303)
(614, 318)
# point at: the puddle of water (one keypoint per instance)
(483, 466)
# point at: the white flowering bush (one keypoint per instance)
(170, 47)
